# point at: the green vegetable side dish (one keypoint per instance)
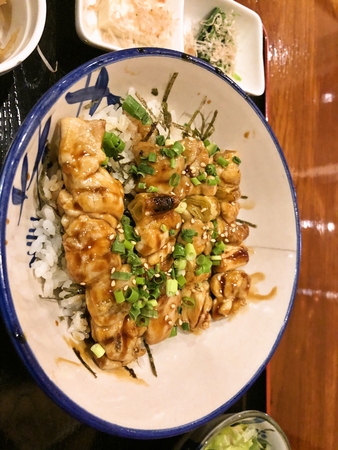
(216, 42)
(239, 437)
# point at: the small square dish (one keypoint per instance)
(118, 24)
(246, 28)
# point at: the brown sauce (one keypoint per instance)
(254, 293)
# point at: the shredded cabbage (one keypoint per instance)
(238, 437)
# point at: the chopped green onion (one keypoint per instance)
(181, 207)
(152, 189)
(140, 280)
(180, 264)
(202, 176)
(142, 185)
(173, 332)
(171, 287)
(172, 232)
(125, 276)
(118, 247)
(112, 145)
(119, 297)
(215, 257)
(185, 326)
(172, 163)
(142, 321)
(128, 245)
(212, 148)
(136, 110)
(187, 234)
(195, 181)
(160, 140)
(189, 302)
(179, 251)
(190, 252)
(212, 182)
(211, 169)
(236, 160)
(152, 157)
(132, 295)
(174, 179)
(144, 168)
(181, 281)
(134, 312)
(218, 248)
(178, 147)
(149, 312)
(163, 228)
(98, 350)
(222, 161)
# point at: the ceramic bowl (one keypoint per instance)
(199, 376)
(26, 18)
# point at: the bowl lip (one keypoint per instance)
(39, 18)
(7, 308)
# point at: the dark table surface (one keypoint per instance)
(28, 418)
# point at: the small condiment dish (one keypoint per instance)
(249, 60)
(25, 22)
(88, 29)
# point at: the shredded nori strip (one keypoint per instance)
(78, 354)
(151, 359)
(131, 371)
(247, 223)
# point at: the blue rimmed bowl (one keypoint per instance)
(199, 376)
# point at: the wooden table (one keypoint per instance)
(303, 111)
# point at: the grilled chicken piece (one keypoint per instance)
(162, 167)
(202, 240)
(122, 344)
(156, 223)
(232, 258)
(87, 244)
(229, 211)
(198, 315)
(230, 290)
(93, 189)
(231, 233)
(71, 210)
(160, 328)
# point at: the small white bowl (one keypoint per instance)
(29, 17)
(249, 61)
(87, 25)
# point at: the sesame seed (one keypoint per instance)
(136, 232)
(166, 317)
(112, 284)
(203, 209)
(193, 220)
(173, 306)
(157, 275)
(133, 242)
(180, 321)
(144, 287)
(203, 164)
(134, 281)
(146, 266)
(83, 284)
(183, 172)
(172, 248)
(213, 240)
(170, 322)
(177, 226)
(111, 237)
(113, 270)
(125, 287)
(226, 240)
